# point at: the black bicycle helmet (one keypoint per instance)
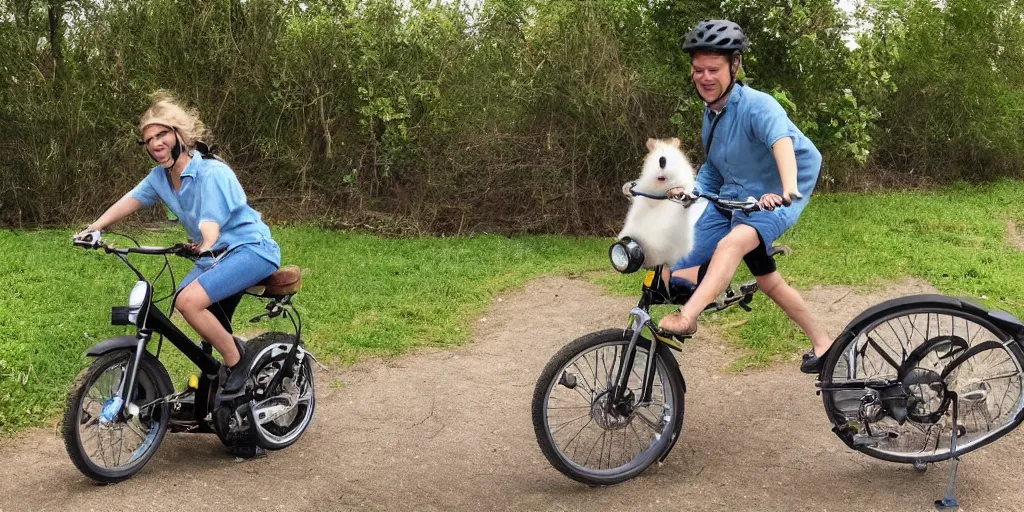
(720, 36)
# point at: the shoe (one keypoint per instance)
(232, 381)
(241, 346)
(811, 363)
(247, 452)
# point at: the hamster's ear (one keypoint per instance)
(651, 144)
(674, 142)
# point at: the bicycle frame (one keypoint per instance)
(640, 319)
(653, 293)
(151, 320)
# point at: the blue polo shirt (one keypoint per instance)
(210, 191)
(741, 163)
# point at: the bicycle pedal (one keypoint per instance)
(672, 337)
(183, 409)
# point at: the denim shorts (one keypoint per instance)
(714, 224)
(226, 275)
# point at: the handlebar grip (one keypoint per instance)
(90, 240)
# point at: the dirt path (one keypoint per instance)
(451, 430)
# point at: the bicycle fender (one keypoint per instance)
(112, 344)
(679, 424)
(1001, 319)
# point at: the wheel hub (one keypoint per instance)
(928, 395)
(611, 415)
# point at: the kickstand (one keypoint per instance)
(949, 502)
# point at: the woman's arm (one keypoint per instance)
(211, 232)
(785, 160)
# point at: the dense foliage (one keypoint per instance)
(503, 115)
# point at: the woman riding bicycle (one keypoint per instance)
(759, 153)
(234, 245)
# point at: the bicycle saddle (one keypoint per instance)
(284, 281)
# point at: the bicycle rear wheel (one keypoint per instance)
(888, 388)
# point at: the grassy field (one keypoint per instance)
(366, 295)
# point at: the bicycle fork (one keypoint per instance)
(639, 319)
(121, 399)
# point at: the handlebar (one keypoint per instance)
(93, 240)
(748, 206)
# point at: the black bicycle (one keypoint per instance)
(611, 403)
(917, 380)
(123, 404)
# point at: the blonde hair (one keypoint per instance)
(168, 111)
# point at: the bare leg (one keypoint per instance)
(730, 251)
(690, 274)
(777, 289)
(192, 303)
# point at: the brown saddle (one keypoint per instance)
(284, 281)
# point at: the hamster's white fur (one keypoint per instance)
(664, 229)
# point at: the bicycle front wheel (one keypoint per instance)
(110, 447)
(586, 436)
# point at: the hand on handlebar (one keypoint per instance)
(682, 196)
(627, 189)
(86, 238)
(195, 250)
(771, 201)
(190, 249)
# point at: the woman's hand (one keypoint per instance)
(198, 248)
(88, 229)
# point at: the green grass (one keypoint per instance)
(366, 295)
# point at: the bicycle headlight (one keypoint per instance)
(626, 255)
(136, 300)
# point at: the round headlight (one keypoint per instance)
(138, 296)
(626, 255)
(619, 257)
(137, 299)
